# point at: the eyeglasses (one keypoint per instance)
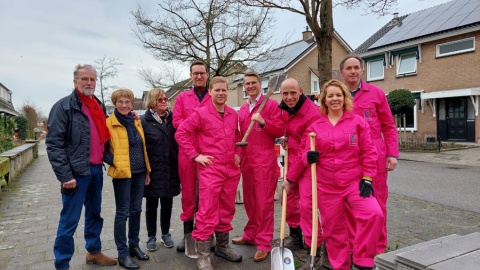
(162, 99)
(128, 102)
(195, 74)
(85, 79)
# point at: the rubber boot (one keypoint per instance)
(295, 240)
(213, 243)
(187, 228)
(317, 261)
(203, 251)
(223, 249)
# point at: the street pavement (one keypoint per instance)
(30, 207)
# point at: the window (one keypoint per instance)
(315, 87)
(456, 47)
(265, 87)
(245, 93)
(411, 116)
(375, 70)
(407, 63)
(375, 67)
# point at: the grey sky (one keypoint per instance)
(42, 41)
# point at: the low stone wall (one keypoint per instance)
(17, 159)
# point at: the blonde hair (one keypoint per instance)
(122, 92)
(217, 79)
(153, 96)
(347, 97)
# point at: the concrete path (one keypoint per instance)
(29, 211)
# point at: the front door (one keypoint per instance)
(456, 118)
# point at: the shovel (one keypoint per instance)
(190, 247)
(281, 257)
(313, 249)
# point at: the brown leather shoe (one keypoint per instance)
(100, 259)
(240, 241)
(260, 255)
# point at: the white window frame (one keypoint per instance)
(244, 93)
(369, 78)
(415, 116)
(315, 88)
(399, 63)
(438, 54)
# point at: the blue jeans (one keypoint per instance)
(89, 194)
(128, 201)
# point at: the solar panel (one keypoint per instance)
(435, 19)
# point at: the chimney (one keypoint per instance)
(307, 34)
(395, 19)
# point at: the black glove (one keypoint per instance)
(68, 191)
(366, 188)
(312, 156)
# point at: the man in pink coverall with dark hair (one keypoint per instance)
(186, 103)
(259, 166)
(371, 103)
(298, 112)
(215, 127)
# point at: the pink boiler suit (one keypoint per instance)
(259, 172)
(346, 155)
(186, 103)
(298, 172)
(371, 103)
(217, 183)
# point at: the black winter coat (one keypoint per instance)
(162, 151)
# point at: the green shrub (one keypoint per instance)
(22, 125)
(400, 101)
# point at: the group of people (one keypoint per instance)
(195, 147)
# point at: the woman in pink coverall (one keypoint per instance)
(346, 161)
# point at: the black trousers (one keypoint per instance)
(151, 214)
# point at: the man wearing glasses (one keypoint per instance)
(186, 103)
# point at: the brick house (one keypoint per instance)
(296, 60)
(433, 54)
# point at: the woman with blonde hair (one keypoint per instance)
(346, 162)
(129, 167)
(162, 150)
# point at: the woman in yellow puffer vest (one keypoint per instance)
(129, 167)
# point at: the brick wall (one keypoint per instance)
(437, 74)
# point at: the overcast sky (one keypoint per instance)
(42, 41)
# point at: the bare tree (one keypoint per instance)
(30, 111)
(319, 17)
(106, 69)
(169, 74)
(220, 33)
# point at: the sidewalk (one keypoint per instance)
(29, 212)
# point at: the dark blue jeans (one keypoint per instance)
(89, 194)
(128, 201)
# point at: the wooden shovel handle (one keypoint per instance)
(313, 249)
(284, 197)
(264, 101)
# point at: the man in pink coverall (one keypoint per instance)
(186, 103)
(215, 127)
(259, 166)
(371, 103)
(298, 112)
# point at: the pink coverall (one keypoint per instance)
(186, 103)
(346, 155)
(298, 172)
(371, 103)
(259, 172)
(217, 183)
